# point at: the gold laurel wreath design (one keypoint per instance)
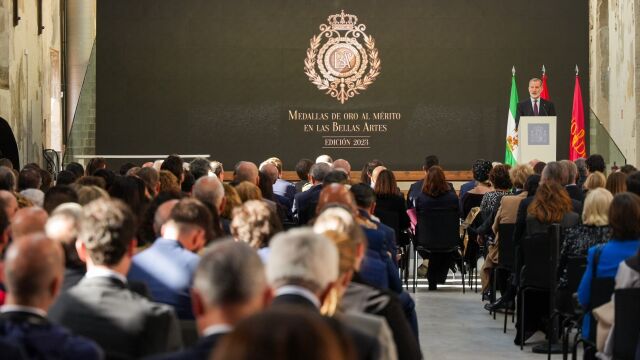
(341, 94)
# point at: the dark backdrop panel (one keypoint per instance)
(219, 77)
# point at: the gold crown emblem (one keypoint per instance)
(342, 21)
(342, 59)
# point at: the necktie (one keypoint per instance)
(535, 107)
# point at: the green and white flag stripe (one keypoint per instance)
(511, 152)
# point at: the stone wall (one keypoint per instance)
(614, 66)
(27, 92)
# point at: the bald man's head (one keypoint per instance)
(271, 171)
(246, 171)
(162, 215)
(336, 194)
(33, 271)
(10, 203)
(28, 220)
(343, 165)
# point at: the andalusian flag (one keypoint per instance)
(511, 152)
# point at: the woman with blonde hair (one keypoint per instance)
(594, 230)
(352, 296)
(595, 180)
(255, 224)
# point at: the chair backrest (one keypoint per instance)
(576, 265)
(540, 259)
(438, 230)
(505, 245)
(626, 331)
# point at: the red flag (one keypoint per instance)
(545, 93)
(577, 145)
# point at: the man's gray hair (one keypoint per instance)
(300, 256)
(209, 190)
(7, 179)
(554, 171)
(535, 79)
(571, 169)
(200, 167)
(319, 171)
(324, 159)
(229, 272)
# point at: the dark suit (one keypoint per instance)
(305, 203)
(525, 108)
(200, 351)
(575, 192)
(284, 188)
(414, 192)
(124, 323)
(366, 346)
(41, 339)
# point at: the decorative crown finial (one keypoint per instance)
(513, 71)
(342, 21)
(544, 71)
(577, 70)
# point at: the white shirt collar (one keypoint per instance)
(217, 329)
(300, 291)
(104, 272)
(538, 100)
(20, 308)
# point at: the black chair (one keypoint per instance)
(538, 273)
(506, 260)
(566, 304)
(437, 233)
(626, 330)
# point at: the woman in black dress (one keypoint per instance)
(391, 208)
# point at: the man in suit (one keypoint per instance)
(416, 188)
(304, 204)
(229, 286)
(535, 106)
(62, 227)
(281, 187)
(125, 324)
(168, 265)
(245, 171)
(210, 191)
(574, 191)
(34, 269)
(303, 269)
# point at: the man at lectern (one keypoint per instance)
(535, 106)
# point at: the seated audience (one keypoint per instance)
(123, 323)
(210, 191)
(92, 181)
(151, 180)
(57, 195)
(624, 243)
(390, 206)
(229, 286)
(595, 180)
(245, 171)
(416, 188)
(551, 204)
(307, 337)
(7, 179)
(10, 203)
(217, 169)
(367, 170)
(248, 191)
(107, 175)
(324, 159)
(282, 187)
(76, 168)
(302, 269)
(628, 169)
(593, 230)
(168, 265)
(87, 194)
(255, 224)
(29, 178)
(168, 182)
(65, 177)
(232, 200)
(574, 191)
(436, 195)
(469, 200)
(200, 167)
(617, 182)
(581, 164)
(95, 164)
(62, 227)
(28, 220)
(304, 204)
(344, 166)
(358, 297)
(33, 277)
(174, 164)
(595, 163)
(302, 170)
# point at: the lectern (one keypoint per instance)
(537, 138)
